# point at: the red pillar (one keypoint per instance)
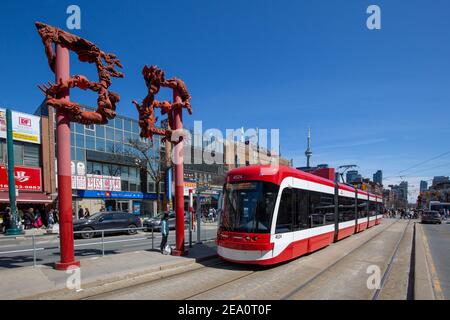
(179, 181)
(64, 172)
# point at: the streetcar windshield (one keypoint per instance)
(248, 206)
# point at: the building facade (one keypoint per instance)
(423, 186)
(378, 177)
(353, 176)
(106, 168)
(29, 170)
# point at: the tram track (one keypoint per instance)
(198, 269)
(244, 273)
(206, 291)
(329, 268)
(390, 263)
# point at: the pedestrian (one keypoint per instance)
(50, 219)
(87, 214)
(56, 215)
(6, 219)
(164, 231)
(80, 213)
(29, 218)
(37, 220)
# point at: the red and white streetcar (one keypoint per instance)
(271, 215)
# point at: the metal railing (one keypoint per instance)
(33, 249)
(34, 237)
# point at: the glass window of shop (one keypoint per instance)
(25, 154)
(130, 176)
(127, 124)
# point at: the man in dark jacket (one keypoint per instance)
(164, 230)
(29, 218)
(6, 219)
(80, 213)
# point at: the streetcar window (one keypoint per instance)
(321, 209)
(284, 219)
(362, 208)
(248, 207)
(301, 215)
(346, 208)
(372, 208)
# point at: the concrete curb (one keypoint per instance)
(423, 283)
(122, 280)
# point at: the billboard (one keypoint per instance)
(26, 127)
(27, 179)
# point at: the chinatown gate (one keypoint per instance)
(58, 44)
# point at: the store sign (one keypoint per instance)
(81, 182)
(136, 208)
(110, 194)
(189, 185)
(26, 178)
(101, 183)
(26, 127)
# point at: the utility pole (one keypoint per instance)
(13, 229)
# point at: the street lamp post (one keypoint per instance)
(13, 229)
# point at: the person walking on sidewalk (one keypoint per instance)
(164, 231)
(29, 218)
(6, 219)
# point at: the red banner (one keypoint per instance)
(27, 179)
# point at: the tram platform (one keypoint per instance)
(98, 273)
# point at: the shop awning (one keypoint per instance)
(27, 197)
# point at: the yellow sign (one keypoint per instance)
(25, 137)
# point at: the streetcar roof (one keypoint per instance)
(276, 174)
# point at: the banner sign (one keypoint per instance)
(26, 127)
(118, 194)
(99, 183)
(189, 185)
(27, 179)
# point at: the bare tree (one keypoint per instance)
(149, 162)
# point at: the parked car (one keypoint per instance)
(431, 217)
(107, 220)
(155, 222)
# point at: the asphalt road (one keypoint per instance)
(438, 236)
(47, 252)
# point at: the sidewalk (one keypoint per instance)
(99, 274)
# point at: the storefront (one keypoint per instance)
(29, 193)
(27, 162)
(138, 203)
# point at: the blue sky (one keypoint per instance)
(378, 99)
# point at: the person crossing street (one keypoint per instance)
(164, 231)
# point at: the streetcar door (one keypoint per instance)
(284, 223)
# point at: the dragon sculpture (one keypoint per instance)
(106, 64)
(154, 80)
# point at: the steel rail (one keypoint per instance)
(310, 280)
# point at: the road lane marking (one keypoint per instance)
(106, 242)
(17, 251)
(434, 277)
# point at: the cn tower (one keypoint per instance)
(308, 152)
